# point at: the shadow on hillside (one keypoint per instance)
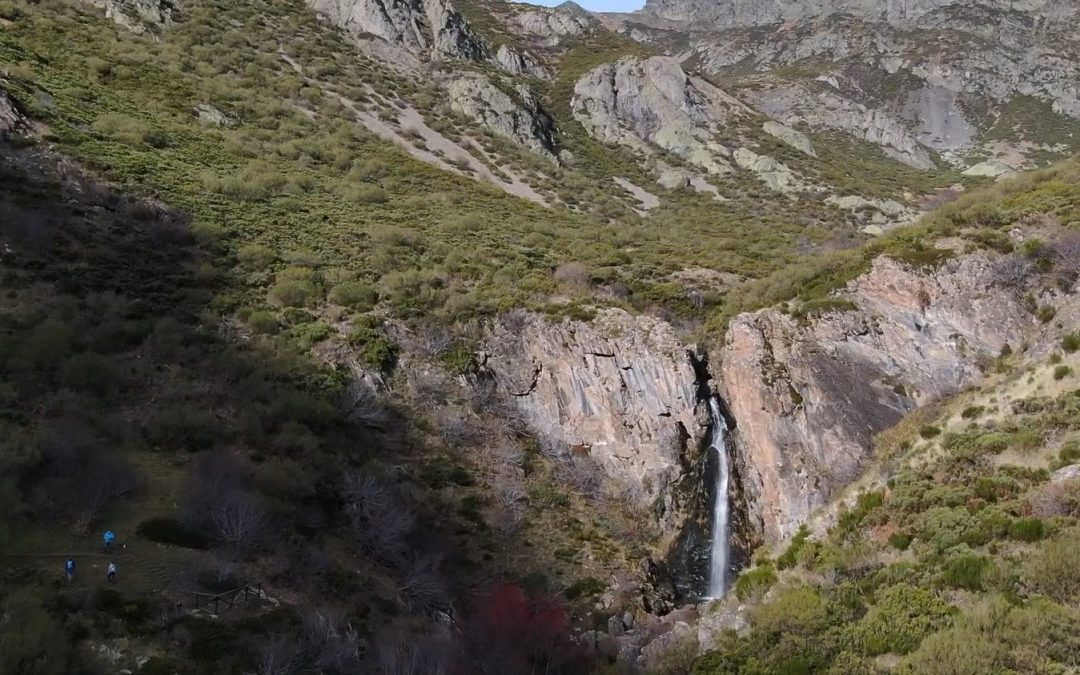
(113, 359)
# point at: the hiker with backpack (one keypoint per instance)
(108, 538)
(110, 572)
(69, 569)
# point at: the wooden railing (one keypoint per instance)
(228, 599)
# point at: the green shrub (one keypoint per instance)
(864, 505)
(946, 527)
(10, 11)
(160, 665)
(1070, 452)
(31, 640)
(355, 295)
(366, 194)
(954, 652)
(440, 472)
(900, 540)
(965, 570)
(91, 373)
(1071, 343)
(792, 609)
(293, 293)
(1027, 529)
(755, 582)
(129, 130)
(307, 335)
(789, 557)
(1053, 570)
(1046, 313)
(262, 322)
(165, 530)
(899, 620)
(929, 431)
(1061, 372)
(586, 587)
(256, 256)
(972, 411)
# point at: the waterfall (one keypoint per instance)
(718, 561)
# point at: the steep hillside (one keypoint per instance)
(428, 333)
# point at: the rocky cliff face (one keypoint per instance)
(621, 389)
(809, 395)
(10, 118)
(522, 121)
(426, 28)
(652, 103)
(138, 16)
(551, 27)
(818, 108)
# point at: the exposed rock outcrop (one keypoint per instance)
(138, 16)
(741, 13)
(785, 134)
(520, 62)
(997, 68)
(10, 117)
(620, 388)
(647, 103)
(522, 121)
(550, 27)
(776, 175)
(827, 110)
(424, 28)
(212, 116)
(810, 394)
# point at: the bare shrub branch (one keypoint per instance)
(381, 521)
(583, 475)
(362, 406)
(1067, 256)
(422, 586)
(1011, 271)
(238, 521)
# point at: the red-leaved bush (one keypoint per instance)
(509, 633)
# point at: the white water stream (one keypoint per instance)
(718, 561)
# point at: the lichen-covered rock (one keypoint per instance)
(520, 62)
(808, 395)
(212, 116)
(520, 118)
(795, 139)
(827, 110)
(776, 175)
(651, 103)
(550, 27)
(138, 15)
(424, 28)
(621, 388)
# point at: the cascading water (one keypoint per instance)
(718, 561)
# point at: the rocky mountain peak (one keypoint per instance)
(722, 14)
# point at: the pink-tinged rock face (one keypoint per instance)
(808, 396)
(621, 386)
(10, 119)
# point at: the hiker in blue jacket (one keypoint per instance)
(69, 569)
(108, 538)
